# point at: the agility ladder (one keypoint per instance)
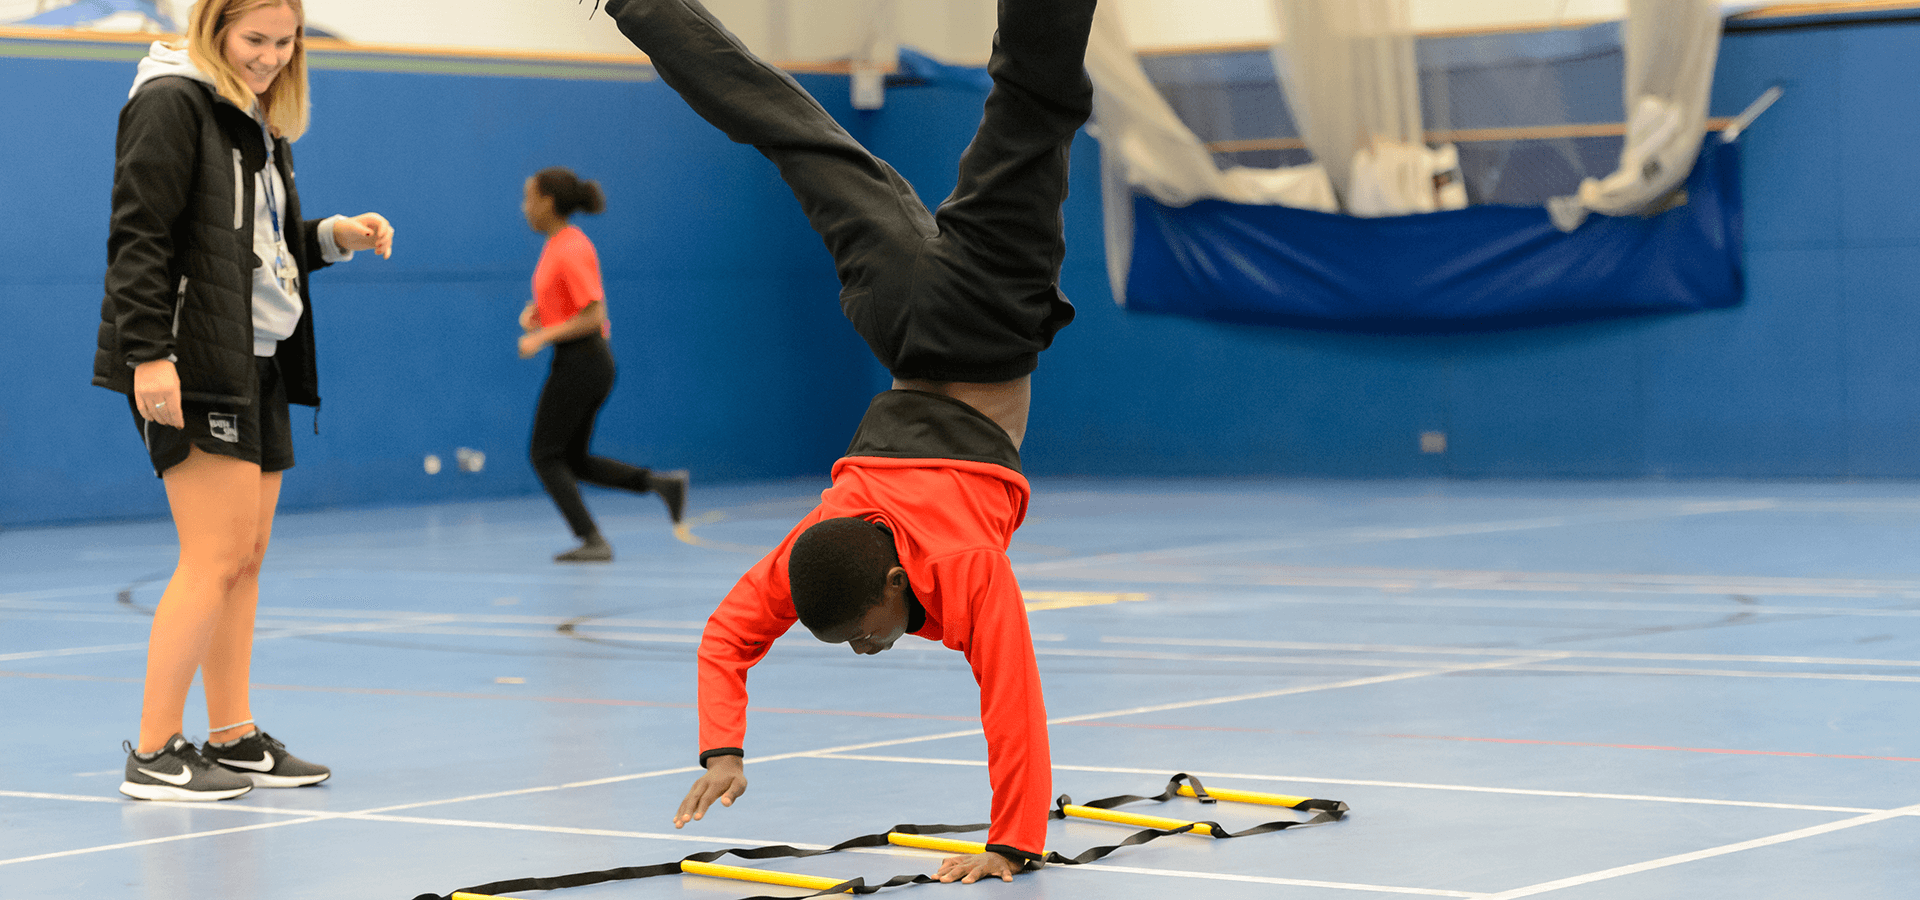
(926, 837)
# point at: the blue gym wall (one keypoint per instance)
(735, 363)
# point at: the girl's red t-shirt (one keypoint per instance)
(567, 279)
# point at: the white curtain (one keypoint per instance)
(1146, 148)
(1671, 48)
(1353, 82)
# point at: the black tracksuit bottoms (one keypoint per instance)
(577, 384)
(968, 292)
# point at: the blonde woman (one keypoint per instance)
(206, 328)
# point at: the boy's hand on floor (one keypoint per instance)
(969, 869)
(724, 781)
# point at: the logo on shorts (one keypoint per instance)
(225, 426)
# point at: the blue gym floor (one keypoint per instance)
(1609, 690)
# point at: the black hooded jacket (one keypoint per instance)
(180, 254)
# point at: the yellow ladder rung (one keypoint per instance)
(741, 873)
(1108, 815)
(944, 845)
(1248, 797)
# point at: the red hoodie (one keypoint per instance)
(951, 520)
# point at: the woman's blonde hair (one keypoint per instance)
(285, 101)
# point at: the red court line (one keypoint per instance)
(1723, 750)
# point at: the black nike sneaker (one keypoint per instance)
(266, 761)
(179, 772)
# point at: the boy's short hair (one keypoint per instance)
(837, 570)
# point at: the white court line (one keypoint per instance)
(652, 835)
(1221, 576)
(1351, 782)
(1223, 658)
(1709, 853)
(1729, 673)
(75, 798)
(164, 840)
(309, 816)
(1289, 882)
(310, 612)
(1540, 661)
(1524, 580)
(1501, 651)
(1367, 535)
(1303, 689)
(1358, 682)
(584, 832)
(1410, 602)
(262, 634)
(8, 598)
(1538, 666)
(824, 750)
(72, 651)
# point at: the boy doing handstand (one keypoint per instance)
(957, 303)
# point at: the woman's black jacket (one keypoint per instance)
(180, 254)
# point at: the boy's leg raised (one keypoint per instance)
(1013, 176)
(995, 302)
(858, 204)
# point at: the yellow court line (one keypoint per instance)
(684, 532)
(1040, 600)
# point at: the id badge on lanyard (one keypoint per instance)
(284, 268)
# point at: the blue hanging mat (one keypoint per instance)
(1483, 268)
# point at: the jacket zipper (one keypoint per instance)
(179, 306)
(239, 189)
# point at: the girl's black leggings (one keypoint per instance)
(578, 383)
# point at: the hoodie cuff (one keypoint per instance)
(329, 249)
(1018, 856)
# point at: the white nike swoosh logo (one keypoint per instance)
(258, 765)
(179, 780)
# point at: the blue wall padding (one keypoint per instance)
(1457, 270)
(734, 359)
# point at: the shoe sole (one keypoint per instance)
(283, 781)
(164, 792)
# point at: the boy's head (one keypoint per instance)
(847, 583)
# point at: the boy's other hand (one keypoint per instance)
(724, 781)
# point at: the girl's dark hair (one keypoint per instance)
(569, 193)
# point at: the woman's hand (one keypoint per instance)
(529, 319)
(366, 231)
(725, 780)
(530, 345)
(156, 393)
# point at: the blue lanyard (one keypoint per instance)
(273, 206)
(283, 269)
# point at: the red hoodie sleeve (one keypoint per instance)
(1013, 711)
(758, 610)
